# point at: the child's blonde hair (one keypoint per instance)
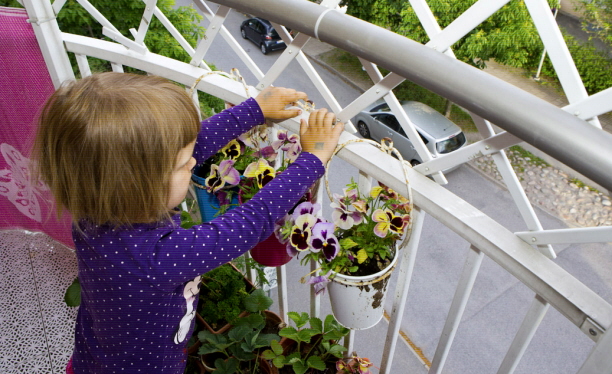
(107, 144)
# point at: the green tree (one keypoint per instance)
(597, 19)
(508, 36)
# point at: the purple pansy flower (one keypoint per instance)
(306, 208)
(319, 283)
(343, 217)
(302, 231)
(222, 174)
(323, 239)
(268, 153)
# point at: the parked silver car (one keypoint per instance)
(439, 134)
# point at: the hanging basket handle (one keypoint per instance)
(385, 145)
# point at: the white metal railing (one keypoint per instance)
(534, 121)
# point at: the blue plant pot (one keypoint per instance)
(208, 202)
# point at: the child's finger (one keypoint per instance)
(303, 127)
(317, 117)
(330, 118)
(299, 95)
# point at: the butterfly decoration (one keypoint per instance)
(16, 183)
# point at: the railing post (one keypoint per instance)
(48, 34)
(401, 290)
(462, 294)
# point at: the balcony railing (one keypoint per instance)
(525, 255)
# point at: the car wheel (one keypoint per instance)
(243, 33)
(363, 129)
(264, 49)
(415, 162)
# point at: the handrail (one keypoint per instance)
(560, 134)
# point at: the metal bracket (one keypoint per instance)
(592, 329)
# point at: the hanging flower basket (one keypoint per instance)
(358, 250)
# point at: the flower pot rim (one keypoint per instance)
(363, 280)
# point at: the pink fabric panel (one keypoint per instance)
(25, 84)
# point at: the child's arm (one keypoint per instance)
(206, 246)
(219, 129)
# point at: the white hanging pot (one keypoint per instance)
(358, 301)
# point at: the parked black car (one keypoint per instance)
(261, 32)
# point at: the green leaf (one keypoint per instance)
(207, 348)
(347, 243)
(257, 301)
(316, 362)
(238, 333)
(305, 335)
(330, 323)
(268, 355)
(226, 367)
(73, 293)
(299, 319)
(289, 332)
(264, 340)
(300, 367)
(279, 361)
(252, 322)
(337, 350)
(243, 354)
(316, 324)
(292, 358)
(276, 347)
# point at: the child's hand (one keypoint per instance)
(320, 135)
(273, 101)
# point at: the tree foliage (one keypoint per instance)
(126, 14)
(598, 19)
(508, 36)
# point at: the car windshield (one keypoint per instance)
(451, 144)
(274, 34)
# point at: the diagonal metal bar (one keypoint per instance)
(470, 152)
(231, 41)
(211, 33)
(466, 22)
(282, 62)
(592, 106)
(514, 186)
(601, 234)
(150, 6)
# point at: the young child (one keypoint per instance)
(117, 152)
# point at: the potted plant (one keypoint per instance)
(239, 170)
(236, 350)
(356, 252)
(222, 298)
(312, 349)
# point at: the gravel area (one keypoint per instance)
(553, 190)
